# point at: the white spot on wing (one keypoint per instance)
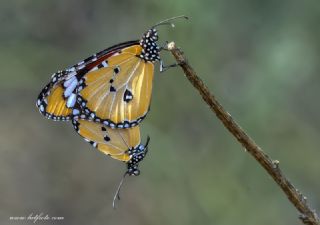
(69, 81)
(104, 64)
(94, 68)
(71, 69)
(81, 67)
(75, 112)
(80, 63)
(71, 100)
(70, 88)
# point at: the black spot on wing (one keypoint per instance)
(103, 129)
(112, 89)
(127, 97)
(106, 138)
(116, 70)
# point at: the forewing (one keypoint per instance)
(53, 102)
(57, 99)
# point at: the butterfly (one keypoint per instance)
(112, 87)
(121, 144)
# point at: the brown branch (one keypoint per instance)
(308, 216)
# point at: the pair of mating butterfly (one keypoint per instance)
(106, 96)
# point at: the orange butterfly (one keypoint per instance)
(112, 87)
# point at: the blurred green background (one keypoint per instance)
(260, 59)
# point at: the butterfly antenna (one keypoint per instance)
(167, 21)
(147, 142)
(117, 194)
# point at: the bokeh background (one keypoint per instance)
(260, 59)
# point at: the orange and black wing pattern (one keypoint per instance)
(121, 144)
(119, 95)
(118, 92)
(57, 99)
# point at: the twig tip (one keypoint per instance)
(171, 45)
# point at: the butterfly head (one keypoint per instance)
(137, 155)
(150, 49)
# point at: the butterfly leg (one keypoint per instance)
(164, 68)
(164, 46)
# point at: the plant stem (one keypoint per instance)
(308, 216)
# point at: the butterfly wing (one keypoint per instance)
(57, 100)
(118, 93)
(113, 142)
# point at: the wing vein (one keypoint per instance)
(124, 141)
(129, 78)
(101, 142)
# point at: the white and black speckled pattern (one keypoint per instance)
(150, 49)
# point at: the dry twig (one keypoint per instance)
(308, 216)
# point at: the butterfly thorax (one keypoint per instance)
(150, 49)
(137, 154)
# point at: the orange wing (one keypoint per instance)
(113, 142)
(119, 94)
(57, 100)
